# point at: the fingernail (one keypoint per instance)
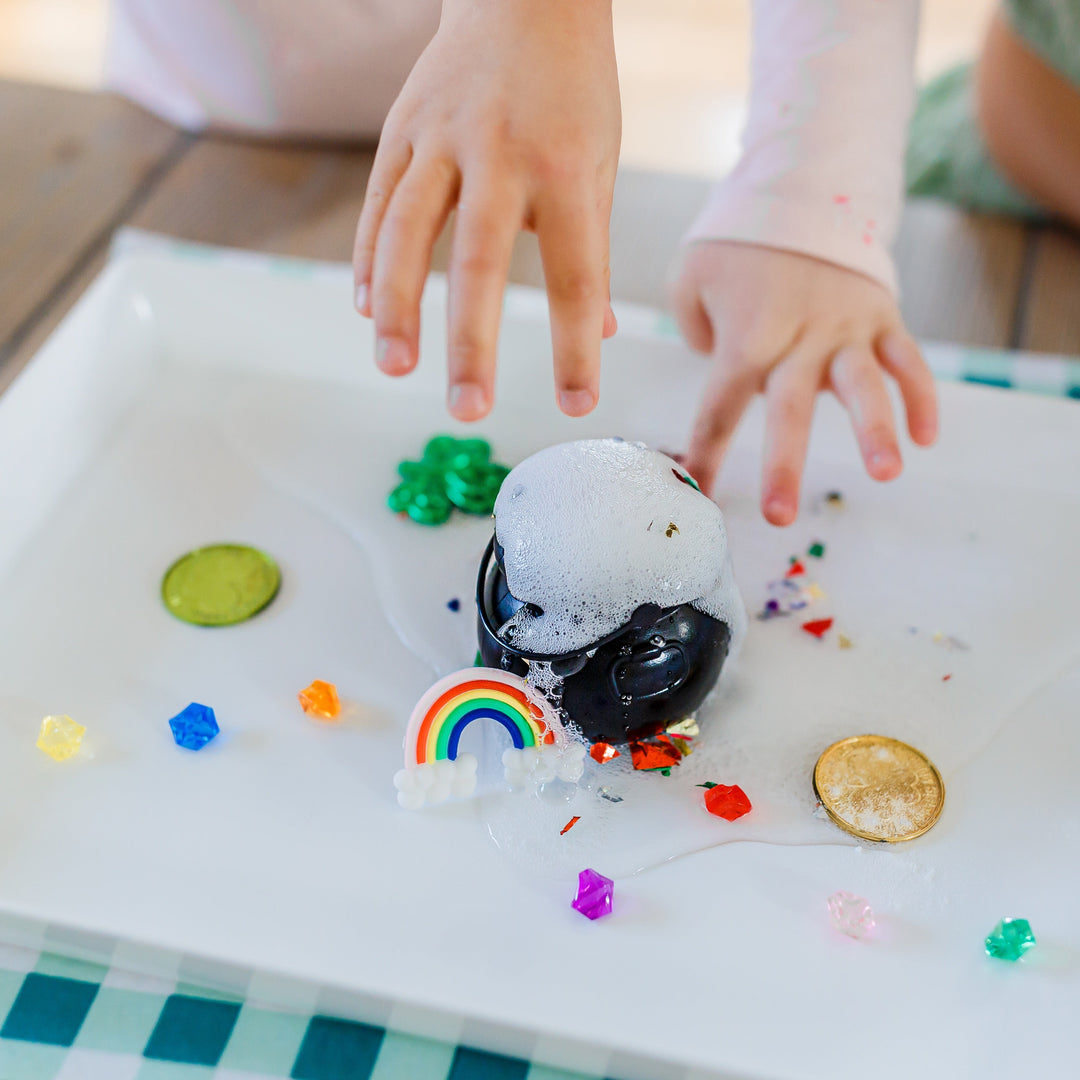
(392, 355)
(885, 461)
(779, 509)
(361, 298)
(576, 402)
(467, 401)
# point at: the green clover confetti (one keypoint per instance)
(452, 472)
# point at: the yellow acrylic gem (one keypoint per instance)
(320, 699)
(60, 737)
(220, 585)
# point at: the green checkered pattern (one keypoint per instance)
(70, 1020)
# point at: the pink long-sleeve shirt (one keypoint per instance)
(821, 167)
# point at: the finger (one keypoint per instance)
(488, 218)
(391, 160)
(790, 393)
(573, 249)
(690, 313)
(903, 360)
(727, 395)
(858, 382)
(695, 324)
(416, 213)
(611, 324)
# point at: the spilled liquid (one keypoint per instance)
(908, 586)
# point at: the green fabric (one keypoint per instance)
(1050, 28)
(946, 155)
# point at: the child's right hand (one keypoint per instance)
(511, 115)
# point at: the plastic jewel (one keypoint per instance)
(570, 824)
(603, 752)
(850, 914)
(194, 727)
(845, 642)
(60, 737)
(834, 498)
(594, 894)
(1010, 939)
(795, 569)
(818, 627)
(454, 604)
(727, 802)
(452, 472)
(687, 728)
(320, 699)
(816, 549)
(608, 795)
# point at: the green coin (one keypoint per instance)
(220, 585)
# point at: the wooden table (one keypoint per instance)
(74, 167)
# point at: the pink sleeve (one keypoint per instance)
(821, 171)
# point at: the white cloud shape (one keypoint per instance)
(542, 764)
(436, 781)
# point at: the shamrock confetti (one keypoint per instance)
(452, 472)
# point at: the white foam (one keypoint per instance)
(593, 529)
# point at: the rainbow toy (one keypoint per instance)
(443, 713)
(435, 771)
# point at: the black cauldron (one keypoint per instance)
(653, 671)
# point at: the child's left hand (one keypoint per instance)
(789, 326)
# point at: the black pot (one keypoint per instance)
(653, 671)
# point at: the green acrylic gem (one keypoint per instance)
(220, 585)
(817, 549)
(1010, 939)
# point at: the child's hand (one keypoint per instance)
(789, 325)
(511, 115)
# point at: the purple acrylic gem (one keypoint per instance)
(594, 893)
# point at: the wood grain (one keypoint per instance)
(1050, 318)
(960, 274)
(289, 200)
(71, 165)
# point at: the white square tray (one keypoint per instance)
(192, 397)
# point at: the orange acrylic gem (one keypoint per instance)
(603, 752)
(320, 699)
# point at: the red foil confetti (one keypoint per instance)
(602, 752)
(818, 627)
(654, 755)
(727, 802)
(569, 825)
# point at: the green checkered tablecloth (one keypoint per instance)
(70, 1020)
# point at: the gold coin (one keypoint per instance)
(879, 788)
(220, 585)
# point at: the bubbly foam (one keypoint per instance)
(591, 530)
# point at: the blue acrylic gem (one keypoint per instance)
(194, 727)
(454, 605)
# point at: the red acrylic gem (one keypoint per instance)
(817, 627)
(727, 802)
(602, 752)
(654, 755)
(795, 569)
